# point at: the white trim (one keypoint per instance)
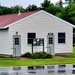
(2, 28)
(22, 19)
(36, 14)
(59, 19)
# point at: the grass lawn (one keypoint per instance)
(26, 62)
(73, 51)
(17, 62)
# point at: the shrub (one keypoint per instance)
(42, 55)
(35, 55)
(3, 57)
(28, 55)
(49, 55)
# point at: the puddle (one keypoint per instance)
(73, 66)
(35, 67)
(68, 69)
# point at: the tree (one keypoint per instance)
(31, 8)
(5, 10)
(73, 0)
(53, 9)
(68, 13)
(71, 13)
(1, 11)
(60, 3)
(45, 4)
(16, 9)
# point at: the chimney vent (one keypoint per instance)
(19, 13)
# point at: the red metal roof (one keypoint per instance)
(11, 18)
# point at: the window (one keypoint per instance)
(50, 40)
(61, 37)
(30, 37)
(16, 41)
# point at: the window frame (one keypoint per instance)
(30, 37)
(61, 37)
(16, 41)
(50, 39)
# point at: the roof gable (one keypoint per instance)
(8, 20)
(59, 19)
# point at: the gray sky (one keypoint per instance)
(23, 3)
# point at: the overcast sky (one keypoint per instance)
(23, 3)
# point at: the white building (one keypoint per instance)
(17, 32)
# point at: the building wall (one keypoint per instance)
(4, 42)
(42, 24)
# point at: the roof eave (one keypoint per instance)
(3, 27)
(35, 14)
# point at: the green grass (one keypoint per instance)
(74, 51)
(26, 62)
(70, 59)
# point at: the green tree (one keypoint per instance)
(73, 0)
(71, 13)
(16, 9)
(1, 11)
(31, 8)
(60, 3)
(53, 9)
(68, 13)
(45, 4)
(70, 1)
(6, 10)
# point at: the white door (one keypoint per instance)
(16, 45)
(50, 44)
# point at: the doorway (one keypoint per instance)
(16, 45)
(50, 43)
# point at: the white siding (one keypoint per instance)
(4, 42)
(42, 24)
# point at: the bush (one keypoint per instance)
(49, 55)
(28, 55)
(40, 55)
(3, 57)
(37, 55)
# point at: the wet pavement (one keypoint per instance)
(68, 69)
